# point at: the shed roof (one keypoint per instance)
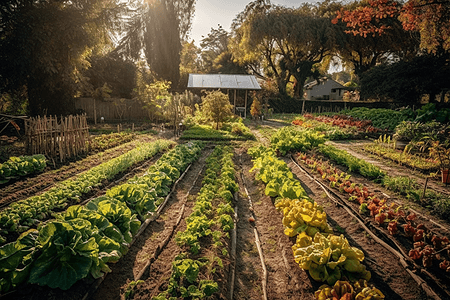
(223, 81)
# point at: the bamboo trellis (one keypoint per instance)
(57, 138)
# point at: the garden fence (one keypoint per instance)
(57, 138)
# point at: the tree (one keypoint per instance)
(363, 53)
(45, 44)
(117, 73)
(157, 28)
(407, 81)
(431, 18)
(216, 107)
(291, 41)
(190, 62)
(216, 57)
(255, 109)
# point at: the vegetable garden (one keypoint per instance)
(312, 208)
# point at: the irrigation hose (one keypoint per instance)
(401, 258)
(257, 241)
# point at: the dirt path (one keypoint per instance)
(285, 280)
(355, 148)
(388, 275)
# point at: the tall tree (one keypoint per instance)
(291, 41)
(216, 57)
(157, 29)
(44, 45)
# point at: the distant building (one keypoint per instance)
(324, 89)
(227, 83)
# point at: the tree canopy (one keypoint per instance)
(289, 41)
(431, 18)
(157, 29)
(45, 44)
(365, 52)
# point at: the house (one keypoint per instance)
(324, 89)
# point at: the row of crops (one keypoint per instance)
(82, 240)
(327, 258)
(205, 240)
(27, 213)
(423, 245)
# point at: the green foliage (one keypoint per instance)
(16, 259)
(354, 164)
(275, 174)
(381, 117)
(290, 139)
(20, 215)
(105, 141)
(216, 107)
(406, 81)
(265, 35)
(206, 132)
(430, 112)
(16, 167)
(83, 239)
(62, 42)
(237, 127)
(67, 255)
(402, 157)
(408, 187)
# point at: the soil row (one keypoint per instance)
(27, 187)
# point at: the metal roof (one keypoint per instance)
(223, 81)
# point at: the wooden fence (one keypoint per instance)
(57, 138)
(111, 109)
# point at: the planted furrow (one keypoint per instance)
(279, 276)
(432, 280)
(199, 252)
(28, 213)
(86, 238)
(39, 183)
(328, 258)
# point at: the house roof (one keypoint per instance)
(223, 81)
(335, 84)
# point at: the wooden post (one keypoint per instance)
(235, 101)
(303, 106)
(245, 111)
(95, 114)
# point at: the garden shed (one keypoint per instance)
(229, 82)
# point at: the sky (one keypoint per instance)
(210, 13)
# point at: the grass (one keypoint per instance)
(206, 132)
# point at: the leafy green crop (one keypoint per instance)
(83, 239)
(288, 139)
(275, 174)
(16, 167)
(22, 215)
(354, 164)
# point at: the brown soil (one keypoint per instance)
(30, 186)
(355, 148)
(285, 280)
